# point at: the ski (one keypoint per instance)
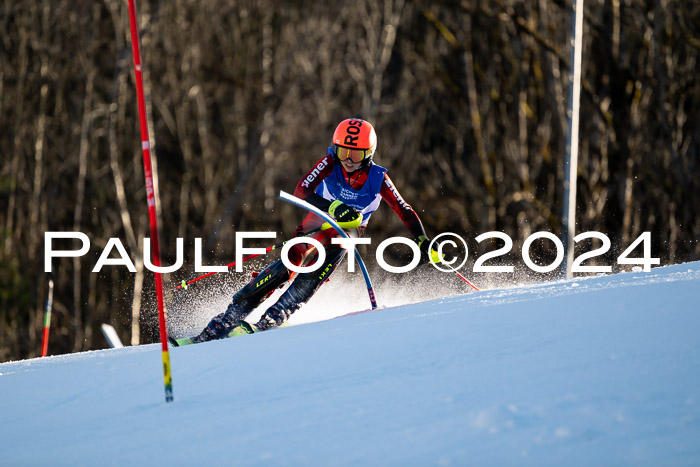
(180, 342)
(241, 330)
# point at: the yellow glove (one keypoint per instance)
(346, 216)
(424, 244)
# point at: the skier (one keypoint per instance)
(348, 185)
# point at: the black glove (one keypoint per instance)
(346, 216)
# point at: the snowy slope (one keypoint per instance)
(595, 371)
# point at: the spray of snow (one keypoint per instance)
(343, 294)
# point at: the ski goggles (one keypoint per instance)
(355, 155)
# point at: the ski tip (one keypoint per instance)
(180, 342)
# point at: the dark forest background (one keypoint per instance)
(469, 100)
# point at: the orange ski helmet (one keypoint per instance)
(356, 139)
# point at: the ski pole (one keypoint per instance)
(466, 280)
(183, 285)
(47, 320)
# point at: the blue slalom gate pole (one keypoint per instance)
(325, 216)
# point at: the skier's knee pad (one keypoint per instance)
(306, 284)
(262, 285)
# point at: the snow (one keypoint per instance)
(589, 371)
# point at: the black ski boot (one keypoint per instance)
(245, 301)
(301, 290)
(223, 323)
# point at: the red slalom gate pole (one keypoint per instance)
(151, 199)
(47, 320)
